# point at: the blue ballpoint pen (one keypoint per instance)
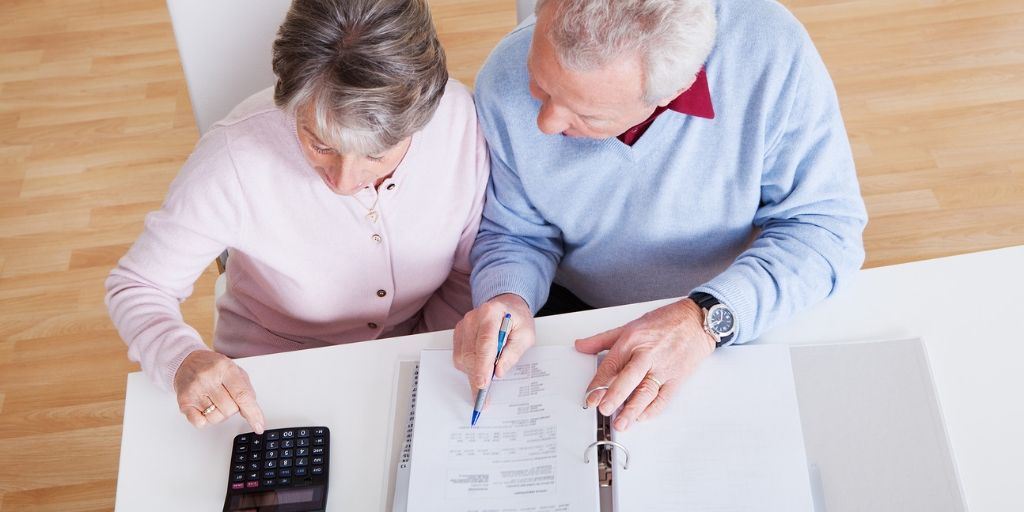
(482, 394)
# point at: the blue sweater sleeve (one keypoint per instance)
(811, 217)
(516, 250)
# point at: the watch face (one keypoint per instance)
(720, 319)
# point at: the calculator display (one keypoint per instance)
(278, 497)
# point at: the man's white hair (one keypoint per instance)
(672, 38)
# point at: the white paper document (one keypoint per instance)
(526, 451)
(730, 441)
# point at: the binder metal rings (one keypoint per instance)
(595, 444)
(589, 392)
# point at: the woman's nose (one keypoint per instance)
(551, 119)
(348, 176)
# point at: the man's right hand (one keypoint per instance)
(476, 339)
(209, 380)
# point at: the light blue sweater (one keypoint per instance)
(759, 206)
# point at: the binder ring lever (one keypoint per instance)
(613, 444)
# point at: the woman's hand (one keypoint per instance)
(208, 378)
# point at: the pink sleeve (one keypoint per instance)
(201, 216)
(453, 299)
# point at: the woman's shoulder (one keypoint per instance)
(256, 106)
(254, 140)
(456, 103)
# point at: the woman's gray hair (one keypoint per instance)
(672, 38)
(367, 73)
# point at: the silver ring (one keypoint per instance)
(656, 381)
(208, 410)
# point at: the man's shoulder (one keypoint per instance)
(763, 28)
(503, 78)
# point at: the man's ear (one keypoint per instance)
(666, 101)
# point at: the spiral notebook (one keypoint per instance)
(731, 440)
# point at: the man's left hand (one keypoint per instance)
(648, 359)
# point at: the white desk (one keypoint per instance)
(168, 465)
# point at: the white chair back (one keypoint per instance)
(524, 8)
(225, 50)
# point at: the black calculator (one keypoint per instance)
(282, 470)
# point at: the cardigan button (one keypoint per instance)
(377, 238)
(372, 325)
(391, 186)
(381, 293)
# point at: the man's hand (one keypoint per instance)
(664, 345)
(208, 378)
(476, 339)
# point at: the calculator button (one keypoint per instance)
(254, 456)
(270, 464)
(287, 443)
(270, 473)
(317, 470)
(269, 483)
(273, 436)
(287, 434)
(256, 443)
(287, 453)
(284, 473)
(286, 463)
(271, 454)
(242, 439)
(272, 445)
(302, 452)
(318, 450)
(254, 466)
(238, 467)
(300, 471)
(241, 457)
(252, 476)
(284, 481)
(318, 441)
(238, 485)
(303, 432)
(237, 477)
(318, 460)
(301, 461)
(318, 431)
(252, 485)
(302, 442)
(242, 448)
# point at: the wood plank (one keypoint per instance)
(95, 122)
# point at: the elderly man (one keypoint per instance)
(663, 162)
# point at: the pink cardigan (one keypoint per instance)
(307, 267)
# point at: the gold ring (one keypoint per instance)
(208, 410)
(656, 381)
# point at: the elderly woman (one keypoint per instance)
(348, 198)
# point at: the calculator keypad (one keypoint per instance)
(279, 458)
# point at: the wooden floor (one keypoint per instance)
(95, 121)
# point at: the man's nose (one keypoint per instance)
(551, 119)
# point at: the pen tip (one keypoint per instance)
(476, 416)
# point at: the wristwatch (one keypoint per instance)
(719, 321)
